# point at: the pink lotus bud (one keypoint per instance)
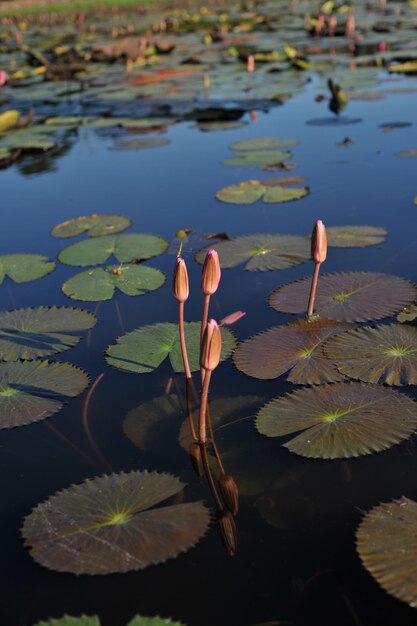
(3, 78)
(180, 286)
(250, 65)
(230, 492)
(210, 277)
(319, 242)
(382, 46)
(350, 25)
(332, 25)
(227, 531)
(232, 318)
(211, 346)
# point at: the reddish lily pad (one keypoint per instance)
(347, 297)
(107, 524)
(297, 347)
(384, 354)
(339, 421)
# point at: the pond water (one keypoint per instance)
(296, 561)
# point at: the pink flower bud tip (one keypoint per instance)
(211, 346)
(180, 286)
(211, 275)
(319, 242)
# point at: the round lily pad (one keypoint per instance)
(384, 354)
(280, 193)
(41, 331)
(126, 248)
(260, 252)
(253, 190)
(84, 620)
(258, 157)
(144, 349)
(341, 420)
(297, 347)
(263, 143)
(22, 268)
(30, 391)
(95, 225)
(107, 525)
(386, 543)
(140, 144)
(100, 283)
(407, 154)
(354, 236)
(348, 296)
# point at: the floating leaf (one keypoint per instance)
(106, 525)
(22, 268)
(9, 119)
(85, 620)
(297, 347)
(339, 421)
(215, 126)
(253, 190)
(409, 67)
(253, 157)
(95, 225)
(386, 543)
(354, 236)
(41, 331)
(408, 154)
(126, 249)
(262, 143)
(263, 252)
(347, 297)
(144, 349)
(140, 144)
(100, 283)
(30, 391)
(384, 354)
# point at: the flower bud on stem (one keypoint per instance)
(318, 254)
(180, 290)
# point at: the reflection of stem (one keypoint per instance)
(209, 476)
(69, 442)
(203, 408)
(204, 317)
(85, 420)
(88, 340)
(188, 385)
(119, 315)
(313, 288)
(182, 341)
(213, 442)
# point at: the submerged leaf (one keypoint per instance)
(339, 421)
(106, 524)
(140, 144)
(126, 248)
(386, 543)
(297, 347)
(263, 252)
(384, 354)
(95, 225)
(30, 391)
(354, 236)
(100, 283)
(348, 296)
(41, 331)
(22, 268)
(142, 350)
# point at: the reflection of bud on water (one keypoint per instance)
(196, 461)
(227, 531)
(230, 492)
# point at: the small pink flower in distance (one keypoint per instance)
(250, 66)
(3, 78)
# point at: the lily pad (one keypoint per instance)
(253, 190)
(95, 225)
(407, 154)
(106, 525)
(22, 268)
(84, 620)
(382, 354)
(386, 543)
(41, 331)
(339, 421)
(140, 144)
(354, 236)
(30, 391)
(297, 347)
(126, 248)
(262, 252)
(144, 349)
(262, 143)
(253, 157)
(347, 297)
(100, 283)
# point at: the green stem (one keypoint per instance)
(182, 341)
(313, 288)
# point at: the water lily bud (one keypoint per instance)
(196, 461)
(211, 274)
(227, 531)
(319, 242)
(211, 346)
(230, 492)
(180, 281)
(250, 63)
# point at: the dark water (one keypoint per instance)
(304, 569)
